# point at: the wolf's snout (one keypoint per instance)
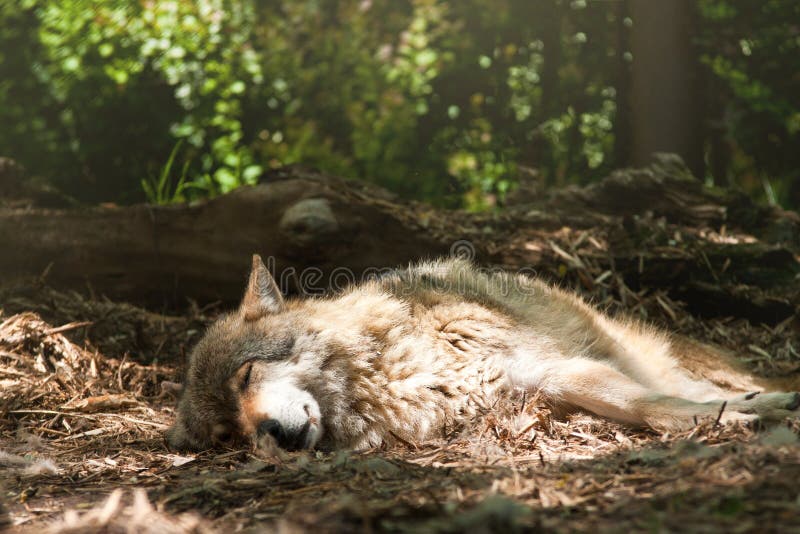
(289, 439)
(283, 412)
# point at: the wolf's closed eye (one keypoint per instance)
(245, 381)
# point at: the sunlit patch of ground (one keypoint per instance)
(81, 450)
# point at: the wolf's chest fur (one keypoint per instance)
(402, 369)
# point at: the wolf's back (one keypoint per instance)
(514, 294)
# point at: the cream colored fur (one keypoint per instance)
(405, 356)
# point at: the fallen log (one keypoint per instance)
(165, 253)
(656, 227)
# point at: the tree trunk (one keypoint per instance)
(622, 121)
(664, 96)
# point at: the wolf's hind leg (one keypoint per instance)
(605, 391)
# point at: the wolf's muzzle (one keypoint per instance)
(289, 439)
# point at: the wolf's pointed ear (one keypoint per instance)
(262, 295)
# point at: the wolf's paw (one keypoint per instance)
(675, 415)
(767, 406)
(732, 416)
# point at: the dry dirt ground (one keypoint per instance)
(87, 389)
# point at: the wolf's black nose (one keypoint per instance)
(273, 428)
(289, 439)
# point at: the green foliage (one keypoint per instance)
(753, 52)
(435, 99)
(160, 190)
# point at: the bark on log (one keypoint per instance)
(165, 253)
(657, 227)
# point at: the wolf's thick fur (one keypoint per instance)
(403, 356)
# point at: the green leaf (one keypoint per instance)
(71, 64)
(251, 173)
(105, 49)
(426, 57)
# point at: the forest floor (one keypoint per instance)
(87, 390)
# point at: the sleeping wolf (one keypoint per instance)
(403, 356)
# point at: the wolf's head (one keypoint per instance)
(248, 376)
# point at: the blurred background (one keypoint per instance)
(452, 102)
